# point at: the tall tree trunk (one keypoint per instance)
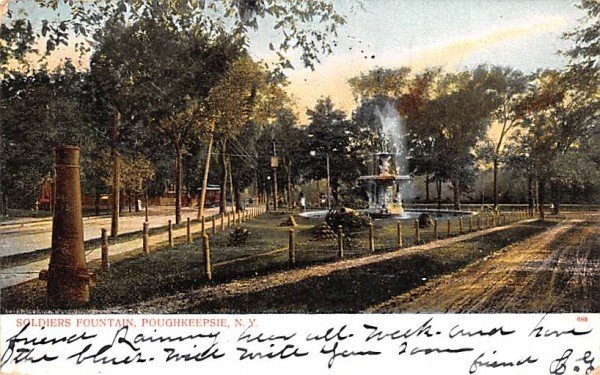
(237, 195)
(318, 195)
(136, 198)
(335, 186)
(427, 187)
(267, 199)
(234, 206)
(541, 197)
(202, 199)
(255, 190)
(495, 182)
(116, 178)
(530, 201)
(223, 180)
(129, 200)
(456, 191)
(438, 186)
(289, 184)
(555, 196)
(178, 183)
(146, 205)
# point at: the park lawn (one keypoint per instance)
(349, 288)
(136, 277)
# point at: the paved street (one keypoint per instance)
(22, 236)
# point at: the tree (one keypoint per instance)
(557, 115)
(331, 134)
(16, 42)
(245, 93)
(584, 67)
(308, 25)
(452, 124)
(56, 103)
(507, 85)
(138, 171)
(161, 76)
(290, 140)
(381, 82)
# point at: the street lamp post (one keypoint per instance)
(268, 187)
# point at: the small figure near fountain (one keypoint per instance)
(384, 187)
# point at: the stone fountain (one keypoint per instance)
(385, 185)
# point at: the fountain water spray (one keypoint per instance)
(385, 185)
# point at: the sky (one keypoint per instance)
(454, 34)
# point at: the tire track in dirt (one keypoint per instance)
(547, 272)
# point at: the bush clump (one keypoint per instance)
(350, 220)
(238, 236)
(425, 220)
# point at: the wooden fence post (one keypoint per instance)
(292, 249)
(417, 234)
(340, 238)
(206, 256)
(105, 261)
(170, 233)
(145, 238)
(399, 234)
(371, 239)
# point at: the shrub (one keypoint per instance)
(351, 221)
(239, 236)
(425, 220)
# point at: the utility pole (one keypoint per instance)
(147, 196)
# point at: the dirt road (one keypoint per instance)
(554, 271)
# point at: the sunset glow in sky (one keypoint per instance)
(454, 34)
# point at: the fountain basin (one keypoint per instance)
(406, 215)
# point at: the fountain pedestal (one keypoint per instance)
(385, 188)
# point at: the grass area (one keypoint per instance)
(354, 289)
(136, 277)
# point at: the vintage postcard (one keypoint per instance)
(279, 186)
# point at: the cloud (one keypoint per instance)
(330, 78)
